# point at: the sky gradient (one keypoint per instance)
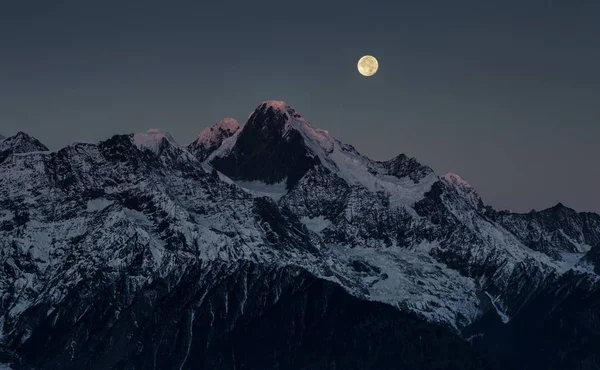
(506, 95)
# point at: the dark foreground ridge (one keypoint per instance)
(247, 317)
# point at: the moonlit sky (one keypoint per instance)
(507, 94)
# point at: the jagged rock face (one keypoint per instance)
(210, 139)
(356, 217)
(21, 143)
(240, 316)
(554, 230)
(267, 149)
(403, 166)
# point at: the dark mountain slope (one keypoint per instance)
(225, 317)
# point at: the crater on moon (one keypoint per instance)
(367, 65)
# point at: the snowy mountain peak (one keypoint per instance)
(277, 144)
(22, 143)
(466, 191)
(275, 105)
(212, 137)
(278, 108)
(273, 115)
(455, 179)
(153, 139)
(229, 124)
(271, 147)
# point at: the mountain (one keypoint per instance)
(270, 147)
(275, 245)
(371, 210)
(399, 203)
(21, 143)
(212, 137)
(554, 230)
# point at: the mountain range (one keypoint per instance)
(273, 245)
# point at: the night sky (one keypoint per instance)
(507, 95)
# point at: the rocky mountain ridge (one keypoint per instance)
(146, 218)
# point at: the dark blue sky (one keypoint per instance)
(507, 94)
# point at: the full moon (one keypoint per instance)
(368, 65)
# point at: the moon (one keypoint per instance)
(367, 65)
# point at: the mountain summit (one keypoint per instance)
(211, 138)
(153, 139)
(272, 147)
(278, 145)
(22, 143)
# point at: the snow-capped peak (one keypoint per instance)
(275, 104)
(455, 179)
(294, 120)
(284, 145)
(2, 137)
(211, 138)
(464, 188)
(214, 135)
(152, 139)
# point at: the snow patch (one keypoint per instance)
(504, 317)
(95, 205)
(577, 262)
(316, 224)
(136, 216)
(414, 282)
(261, 189)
